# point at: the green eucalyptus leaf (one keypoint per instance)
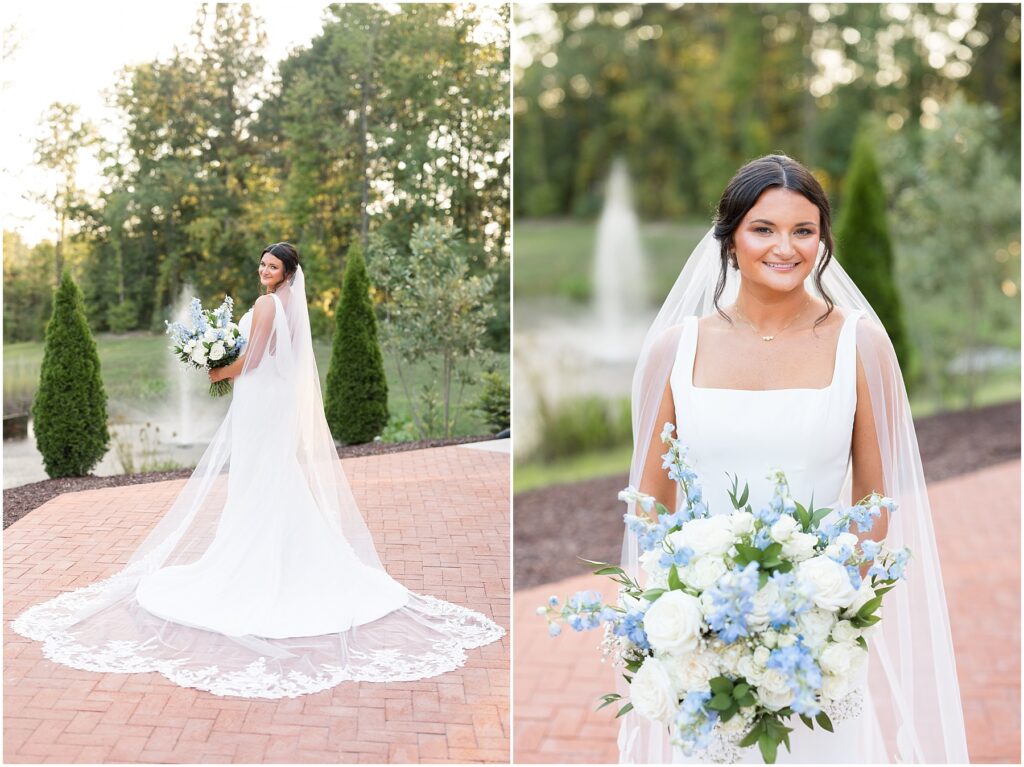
(769, 748)
(823, 721)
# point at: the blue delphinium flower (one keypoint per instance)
(802, 673)
(631, 626)
(853, 571)
(768, 515)
(864, 516)
(694, 722)
(893, 567)
(762, 538)
(732, 600)
(679, 558)
(795, 597)
(870, 548)
(198, 316)
(842, 553)
(899, 565)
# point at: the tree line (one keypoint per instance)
(390, 118)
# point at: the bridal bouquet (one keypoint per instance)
(213, 341)
(746, 619)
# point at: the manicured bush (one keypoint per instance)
(494, 403)
(356, 401)
(863, 245)
(70, 409)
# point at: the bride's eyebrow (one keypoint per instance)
(772, 223)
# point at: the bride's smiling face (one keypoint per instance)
(776, 243)
(271, 271)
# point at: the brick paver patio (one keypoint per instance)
(977, 521)
(452, 541)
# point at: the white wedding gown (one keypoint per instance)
(273, 556)
(262, 579)
(807, 433)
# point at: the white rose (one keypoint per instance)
(229, 342)
(834, 687)
(800, 546)
(749, 670)
(217, 351)
(199, 355)
(829, 580)
(815, 625)
(742, 523)
(692, 671)
(190, 345)
(705, 536)
(773, 690)
(783, 528)
(673, 623)
(657, 576)
(210, 335)
(761, 656)
(765, 597)
(864, 594)
(838, 658)
(844, 631)
(769, 637)
(704, 573)
(652, 693)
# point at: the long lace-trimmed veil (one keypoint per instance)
(102, 627)
(913, 678)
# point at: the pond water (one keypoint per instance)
(170, 434)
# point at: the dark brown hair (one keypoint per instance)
(773, 171)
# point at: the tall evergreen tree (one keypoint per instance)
(863, 245)
(357, 390)
(70, 409)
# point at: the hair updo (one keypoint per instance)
(287, 254)
(773, 171)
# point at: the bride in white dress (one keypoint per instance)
(766, 356)
(262, 579)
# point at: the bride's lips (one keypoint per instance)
(781, 267)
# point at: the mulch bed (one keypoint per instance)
(19, 501)
(951, 444)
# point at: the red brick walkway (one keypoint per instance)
(977, 520)
(452, 544)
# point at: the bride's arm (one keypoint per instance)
(259, 335)
(868, 470)
(654, 480)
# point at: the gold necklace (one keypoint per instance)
(772, 336)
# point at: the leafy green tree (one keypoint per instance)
(70, 408)
(956, 197)
(58, 149)
(864, 247)
(28, 289)
(435, 311)
(357, 389)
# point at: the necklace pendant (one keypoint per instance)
(767, 338)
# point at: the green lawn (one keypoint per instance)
(555, 257)
(135, 373)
